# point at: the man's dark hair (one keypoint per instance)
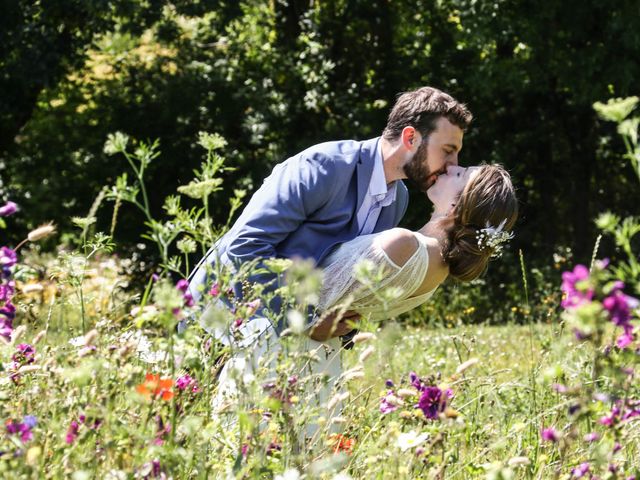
(421, 109)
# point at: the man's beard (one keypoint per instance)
(417, 169)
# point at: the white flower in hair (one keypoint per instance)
(493, 238)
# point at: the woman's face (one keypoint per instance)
(445, 192)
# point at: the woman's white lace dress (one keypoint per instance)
(261, 345)
(340, 284)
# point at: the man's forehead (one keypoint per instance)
(446, 133)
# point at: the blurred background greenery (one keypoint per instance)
(275, 76)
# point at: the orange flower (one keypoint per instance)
(341, 443)
(156, 386)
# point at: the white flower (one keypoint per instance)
(342, 476)
(493, 238)
(410, 440)
(296, 321)
(291, 474)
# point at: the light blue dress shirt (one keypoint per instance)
(378, 196)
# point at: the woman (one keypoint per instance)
(474, 211)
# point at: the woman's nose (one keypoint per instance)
(454, 169)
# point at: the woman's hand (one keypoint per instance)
(334, 325)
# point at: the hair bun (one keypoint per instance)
(466, 259)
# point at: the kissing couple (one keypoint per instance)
(339, 203)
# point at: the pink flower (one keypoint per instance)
(581, 470)
(72, 432)
(576, 288)
(215, 290)
(25, 354)
(592, 437)
(386, 405)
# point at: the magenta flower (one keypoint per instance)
(183, 286)
(7, 209)
(23, 429)
(576, 288)
(549, 434)
(387, 406)
(8, 258)
(8, 311)
(7, 290)
(25, 354)
(186, 381)
(72, 432)
(215, 290)
(624, 340)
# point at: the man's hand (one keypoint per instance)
(332, 325)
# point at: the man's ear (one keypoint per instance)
(410, 138)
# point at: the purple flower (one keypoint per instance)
(619, 307)
(23, 429)
(575, 287)
(25, 354)
(8, 311)
(432, 402)
(30, 421)
(581, 470)
(9, 208)
(182, 285)
(415, 381)
(549, 434)
(386, 405)
(188, 300)
(215, 290)
(7, 290)
(389, 383)
(8, 258)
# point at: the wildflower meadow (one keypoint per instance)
(102, 379)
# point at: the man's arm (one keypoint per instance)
(288, 197)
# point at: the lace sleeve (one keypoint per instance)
(340, 284)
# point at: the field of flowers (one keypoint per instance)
(130, 398)
(97, 381)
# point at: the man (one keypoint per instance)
(335, 191)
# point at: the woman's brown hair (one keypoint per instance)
(489, 199)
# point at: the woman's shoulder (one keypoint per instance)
(398, 243)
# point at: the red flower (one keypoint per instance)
(155, 386)
(341, 443)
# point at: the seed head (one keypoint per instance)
(41, 232)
